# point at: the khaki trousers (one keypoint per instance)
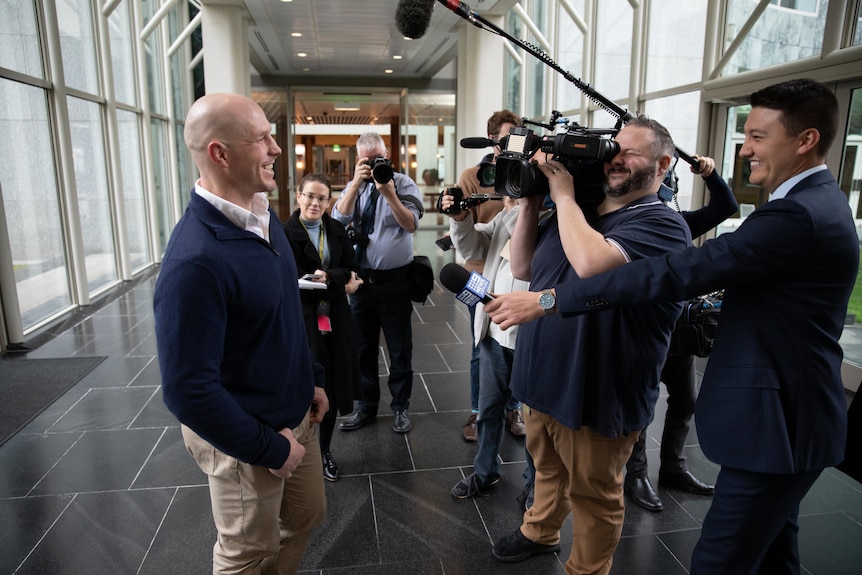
(581, 472)
(263, 521)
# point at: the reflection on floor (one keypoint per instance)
(100, 482)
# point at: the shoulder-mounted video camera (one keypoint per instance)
(460, 202)
(581, 150)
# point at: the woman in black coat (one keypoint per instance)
(321, 248)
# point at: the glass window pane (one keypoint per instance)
(19, 38)
(676, 31)
(122, 55)
(94, 208)
(78, 44)
(850, 180)
(513, 67)
(154, 61)
(570, 47)
(538, 70)
(613, 48)
(679, 114)
(31, 200)
(780, 34)
(158, 136)
(133, 189)
(187, 181)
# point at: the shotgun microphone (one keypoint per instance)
(469, 287)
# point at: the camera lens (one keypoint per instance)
(486, 175)
(382, 172)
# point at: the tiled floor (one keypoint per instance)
(100, 482)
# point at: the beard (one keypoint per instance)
(638, 180)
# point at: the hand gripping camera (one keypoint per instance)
(460, 202)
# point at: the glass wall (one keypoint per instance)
(29, 191)
(77, 191)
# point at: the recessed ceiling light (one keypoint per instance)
(397, 57)
(387, 71)
(287, 0)
(306, 69)
(309, 118)
(296, 34)
(301, 54)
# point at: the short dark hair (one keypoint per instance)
(315, 177)
(497, 119)
(803, 104)
(662, 144)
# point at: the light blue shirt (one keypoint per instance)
(787, 185)
(390, 246)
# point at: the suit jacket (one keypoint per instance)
(772, 399)
(336, 351)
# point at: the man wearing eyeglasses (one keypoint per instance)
(382, 209)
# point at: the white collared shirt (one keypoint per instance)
(787, 185)
(255, 221)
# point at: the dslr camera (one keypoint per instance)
(460, 202)
(381, 169)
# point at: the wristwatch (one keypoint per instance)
(548, 302)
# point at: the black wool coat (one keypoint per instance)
(336, 350)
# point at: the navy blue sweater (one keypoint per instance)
(235, 362)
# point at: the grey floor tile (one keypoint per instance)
(100, 461)
(100, 533)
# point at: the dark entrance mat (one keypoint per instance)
(28, 386)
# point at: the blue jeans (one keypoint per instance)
(474, 371)
(495, 372)
(474, 365)
(385, 306)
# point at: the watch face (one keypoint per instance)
(547, 301)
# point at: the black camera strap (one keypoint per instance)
(366, 221)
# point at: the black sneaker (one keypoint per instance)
(472, 485)
(516, 548)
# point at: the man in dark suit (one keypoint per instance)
(772, 408)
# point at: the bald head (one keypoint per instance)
(230, 139)
(217, 117)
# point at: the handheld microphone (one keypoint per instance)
(469, 287)
(412, 17)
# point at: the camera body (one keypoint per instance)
(582, 153)
(357, 238)
(381, 169)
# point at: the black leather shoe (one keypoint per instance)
(402, 421)
(640, 491)
(472, 485)
(685, 481)
(356, 420)
(516, 548)
(330, 469)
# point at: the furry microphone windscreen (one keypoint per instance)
(412, 17)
